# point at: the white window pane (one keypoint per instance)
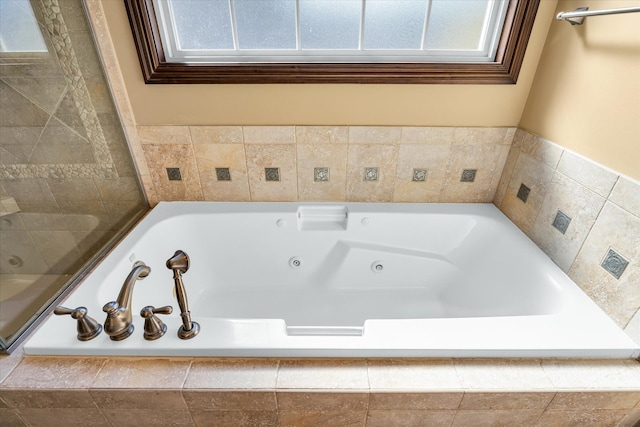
(19, 31)
(456, 24)
(394, 24)
(202, 24)
(266, 24)
(263, 31)
(330, 24)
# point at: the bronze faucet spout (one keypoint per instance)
(118, 324)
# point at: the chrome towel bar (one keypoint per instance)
(577, 16)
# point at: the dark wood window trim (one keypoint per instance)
(513, 42)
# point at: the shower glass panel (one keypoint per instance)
(68, 186)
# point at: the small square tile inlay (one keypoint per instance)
(320, 174)
(614, 263)
(561, 221)
(370, 174)
(468, 175)
(272, 174)
(223, 174)
(419, 175)
(174, 174)
(523, 193)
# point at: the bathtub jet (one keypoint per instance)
(349, 280)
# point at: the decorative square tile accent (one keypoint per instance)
(174, 174)
(223, 174)
(272, 174)
(468, 175)
(320, 174)
(614, 263)
(419, 175)
(561, 222)
(370, 174)
(523, 193)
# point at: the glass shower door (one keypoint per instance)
(67, 182)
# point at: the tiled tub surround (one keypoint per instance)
(356, 163)
(541, 184)
(584, 216)
(39, 391)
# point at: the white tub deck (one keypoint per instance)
(350, 280)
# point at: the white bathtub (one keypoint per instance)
(352, 280)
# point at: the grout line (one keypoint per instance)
(196, 171)
(104, 362)
(33, 149)
(612, 187)
(636, 313)
(246, 164)
(186, 376)
(546, 195)
(195, 162)
(547, 405)
(297, 164)
(585, 240)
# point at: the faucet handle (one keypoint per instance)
(154, 328)
(87, 327)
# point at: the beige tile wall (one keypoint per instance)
(345, 150)
(604, 208)
(272, 392)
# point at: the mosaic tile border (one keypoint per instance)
(57, 171)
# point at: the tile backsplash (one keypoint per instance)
(325, 163)
(583, 215)
(575, 210)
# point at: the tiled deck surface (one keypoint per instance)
(318, 392)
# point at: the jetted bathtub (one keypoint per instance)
(348, 280)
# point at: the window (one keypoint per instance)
(19, 31)
(331, 41)
(333, 31)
